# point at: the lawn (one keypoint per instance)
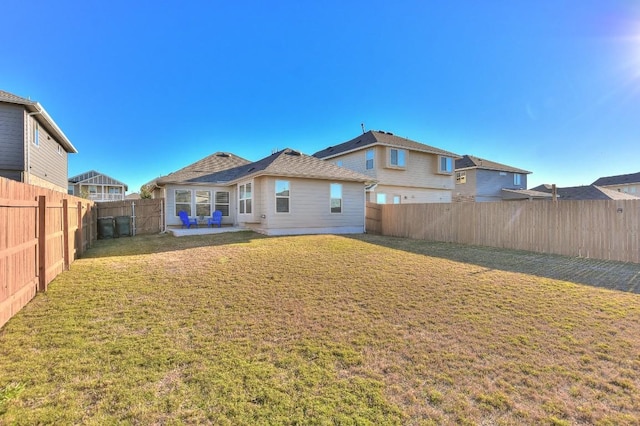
(242, 329)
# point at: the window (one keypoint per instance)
(183, 201)
(93, 189)
(282, 196)
(339, 163)
(222, 202)
(336, 198)
(245, 198)
(397, 157)
(203, 203)
(59, 149)
(517, 179)
(369, 159)
(114, 190)
(381, 198)
(396, 199)
(36, 134)
(445, 164)
(70, 189)
(461, 177)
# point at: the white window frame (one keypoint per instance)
(36, 133)
(203, 193)
(244, 201)
(182, 203)
(447, 162)
(280, 195)
(517, 179)
(397, 199)
(401, 158)
(369, 157)
(334, 199)
(461, 177)
(380, 195)
(219, 203)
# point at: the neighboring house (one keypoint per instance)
(97, 187)
(285, 193)
(480, 180)
(406, 171)
(624, 183)
(33, 149)
(586, 192)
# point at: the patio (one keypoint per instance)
(201, 230)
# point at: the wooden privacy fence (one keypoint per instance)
(41, 233)
(600, 229)
(146, 215)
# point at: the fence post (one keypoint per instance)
(79, 233)
(66, 247)
(42, 243)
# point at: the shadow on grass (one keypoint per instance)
(160, 243)
(594, 272)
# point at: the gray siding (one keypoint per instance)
(491, 182)
(48, 160)
(11, 140)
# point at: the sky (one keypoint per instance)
(144, 88)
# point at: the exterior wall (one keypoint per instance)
(309, 208)
(47, 160)
(172, 219)
(409, 195)
(630, 188)
(102, 192)
(491, 182)
(418, 182)
(466, 191)
(12, 155)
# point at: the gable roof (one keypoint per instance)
(379, 137)
(285, 163)
(470, 162)
(93, 177)
(586, 192)
(618, 180)
(42, 116)
(213, 163)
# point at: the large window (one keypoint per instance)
(282, 196)
(445, 164)
(222, 202)
(336, 198)
(517, 179)
(245, 198)
(203, 203)
(397, 157)
(183, 201)
(369, 159)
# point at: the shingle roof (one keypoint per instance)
(286, 163)
(93, 176)
(471, 162)
(214, 163)
(618, 180)
(378, 137)
(10, 97)
(586, 192)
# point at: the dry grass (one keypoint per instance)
(243, 329)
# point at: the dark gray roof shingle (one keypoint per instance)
(471, 162)
(618, 180)
(586, 192)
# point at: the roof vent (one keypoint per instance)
(358, 141)
(292, 152)
(389, 133)
(222, 154)
(251, 169)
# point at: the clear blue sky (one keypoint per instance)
(143, 88)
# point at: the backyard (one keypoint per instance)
(242, 329)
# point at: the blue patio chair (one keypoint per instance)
(184, 217)
(215, 219)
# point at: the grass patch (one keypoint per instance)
(243, 329)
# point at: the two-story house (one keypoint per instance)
(406, 171)
(97, 187)
(478, 179)
(623, 183)
(33, 149)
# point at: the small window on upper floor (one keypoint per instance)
(461, 177)
(445, 164)
(36, 134)
(369, 159)
(381, 198)
(339, 163)
(517, 179)
(397, 157)
(59, 149)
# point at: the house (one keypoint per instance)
(285, 193)
(33, 149)
(406, 171)
(97, 186)
(586, 192)
(480, 180)
(624, 183)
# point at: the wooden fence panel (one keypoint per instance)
(147, 215)
(37, 240)
(607, 229)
